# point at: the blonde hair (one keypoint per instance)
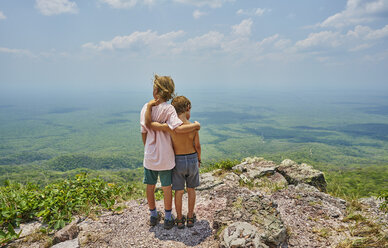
(181, 104)
(165, 86)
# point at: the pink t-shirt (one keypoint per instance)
(158, 150)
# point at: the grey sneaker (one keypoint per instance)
(155, 220)
(168, 224)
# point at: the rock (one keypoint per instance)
(373, 209)
(259, 211)
(68, 232)
(270, 184)
(310, 214)
(250, 160)
(67, 244)
(241, 234)
(260, 172)
(28, 228)
(208, 181)
(302, 173)
(244, 178)
(231, 179)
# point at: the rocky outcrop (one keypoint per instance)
(258, 210)
(256, 204)
(302, 173)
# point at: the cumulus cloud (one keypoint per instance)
(211, 40)
(2, 16)
(360, 38)
(200, 3)
(252, 12)
(243, 29)
(320, 39)
(125, 4)
(364, 32)
(138, 41)
(240, 45)
(197, 14)
(357, 12)
(56, 7)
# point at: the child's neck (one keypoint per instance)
(183, 118)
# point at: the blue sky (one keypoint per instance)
(202, 44)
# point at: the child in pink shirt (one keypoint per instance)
(159, 158)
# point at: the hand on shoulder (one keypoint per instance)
(198, 125)
(153, 102)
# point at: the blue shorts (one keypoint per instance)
(186, 171)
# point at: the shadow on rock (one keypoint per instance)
(189, 236)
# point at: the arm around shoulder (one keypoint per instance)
(197, 146)
(147, 117)
(187, 128)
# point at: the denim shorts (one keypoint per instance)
(185, 172)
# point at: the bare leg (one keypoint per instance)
(151, 196)
(191, 200)
(178, 203)
(167, 197)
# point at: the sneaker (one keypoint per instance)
(155, 220)
(168, 224)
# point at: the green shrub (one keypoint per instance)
(57, 202)
(384, 205)
(224, 165)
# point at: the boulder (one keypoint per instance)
(28, 228)
(302, 173)
(208, 181)
(241, 234)
(259, 211)
(67, 233)
(67, 244)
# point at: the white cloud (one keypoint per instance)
(2, 16)
(360, 47)
(282, 44)
(197, 14)
(56, 7)
(211, 40)
(252, 12)
(16, 51)
(243, 29)
(268, 40)
(200, 3)
(126, 4)
(138, 41)
(260, 12)
(242, 47)
(357, 12)
(321, 39)
(366, 33)
(361, 38)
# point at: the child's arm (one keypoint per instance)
(187, 128)
(148, 118)
(161, 127)
(197, 147)
(144, 137)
